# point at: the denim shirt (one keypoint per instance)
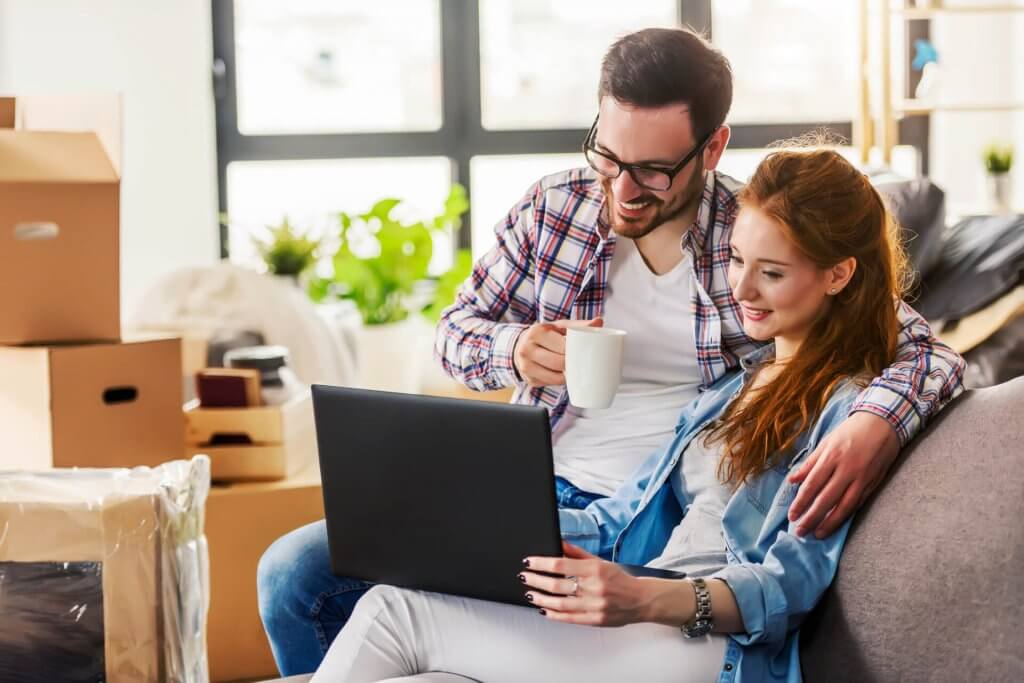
(776, 577)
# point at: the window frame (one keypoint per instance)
(461, 135)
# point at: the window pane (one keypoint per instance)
(540, 60)
(741, 163)
(311, 193)
(498, 182)
(807, 72)
(328, 66)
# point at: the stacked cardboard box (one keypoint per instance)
(74, 393)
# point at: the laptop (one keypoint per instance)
(438, 494)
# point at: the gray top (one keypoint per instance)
(696, 545)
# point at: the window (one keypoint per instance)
(806, 73)
(329, 105)
(324, 67)
(520, 40)
(501, 181)
(311, 193)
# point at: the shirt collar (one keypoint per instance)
(755, 359)
(695, 237)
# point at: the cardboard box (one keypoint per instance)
(242, 521)
(59, 226)
(145, 599)
(280, 440)
(93, 405)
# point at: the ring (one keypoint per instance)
(575, 586)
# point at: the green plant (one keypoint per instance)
(448, 284)
(287, 251)
(998, 158)
(380, 258)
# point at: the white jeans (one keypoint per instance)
(394, 633)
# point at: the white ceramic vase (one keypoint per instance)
(1000, 189)
(389, 357)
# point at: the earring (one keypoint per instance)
(833, 290)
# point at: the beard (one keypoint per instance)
(664, 210)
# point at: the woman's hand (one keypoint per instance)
(596, 592)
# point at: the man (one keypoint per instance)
(638, 241)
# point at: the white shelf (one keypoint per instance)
(920, 107)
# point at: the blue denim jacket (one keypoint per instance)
(777, 577)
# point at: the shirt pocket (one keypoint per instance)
(761, 492)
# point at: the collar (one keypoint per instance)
(695, 237)
(755, 359)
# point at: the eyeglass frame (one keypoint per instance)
(629, 168)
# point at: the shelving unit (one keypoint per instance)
(891, 110)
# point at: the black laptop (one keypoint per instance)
(439, 494)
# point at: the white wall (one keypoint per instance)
(982, 60)
(157, 53)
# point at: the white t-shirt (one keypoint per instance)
(598, 449)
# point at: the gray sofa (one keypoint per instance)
(931, 585)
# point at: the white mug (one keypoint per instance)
(593, 365)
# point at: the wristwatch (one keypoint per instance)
(701, 624)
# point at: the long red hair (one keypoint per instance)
(831, 212)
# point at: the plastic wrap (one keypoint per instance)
(104, 574)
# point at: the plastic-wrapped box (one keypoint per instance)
(104, 574)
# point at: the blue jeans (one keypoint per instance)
(303, 605)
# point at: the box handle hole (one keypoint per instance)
(36, 231)
(116, 395)
(230, 439)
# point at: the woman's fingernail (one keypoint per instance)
(529, 597)
(526, 562)
(543, 611)
(522, 578)
(801, 531)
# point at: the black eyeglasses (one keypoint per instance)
(649, 177)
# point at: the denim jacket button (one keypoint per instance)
(728, 667)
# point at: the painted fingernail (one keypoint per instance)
(526, 562)
(543, 611)
(529, 597)
(522, 578)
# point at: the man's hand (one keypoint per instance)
(842, 472)
(539, 353)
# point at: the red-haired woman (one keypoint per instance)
(817, 268)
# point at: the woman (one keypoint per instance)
(817, 268)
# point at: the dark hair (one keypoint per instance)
(658, 66)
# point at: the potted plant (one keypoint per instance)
(998, 162)
(380, 261)
(286, 251)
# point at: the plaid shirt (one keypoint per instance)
(551, 262)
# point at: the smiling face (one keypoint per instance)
(781, 292)
(651, 136)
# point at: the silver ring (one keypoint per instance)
(575, 586)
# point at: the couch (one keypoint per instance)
(931, 585)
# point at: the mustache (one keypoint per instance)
(607, 186)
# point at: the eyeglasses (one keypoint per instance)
(649, 177)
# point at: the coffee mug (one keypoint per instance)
(593, 365)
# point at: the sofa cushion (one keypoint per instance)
(931, 582)
(919, 206)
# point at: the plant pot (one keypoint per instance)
(1000, 191)
(389, 357)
